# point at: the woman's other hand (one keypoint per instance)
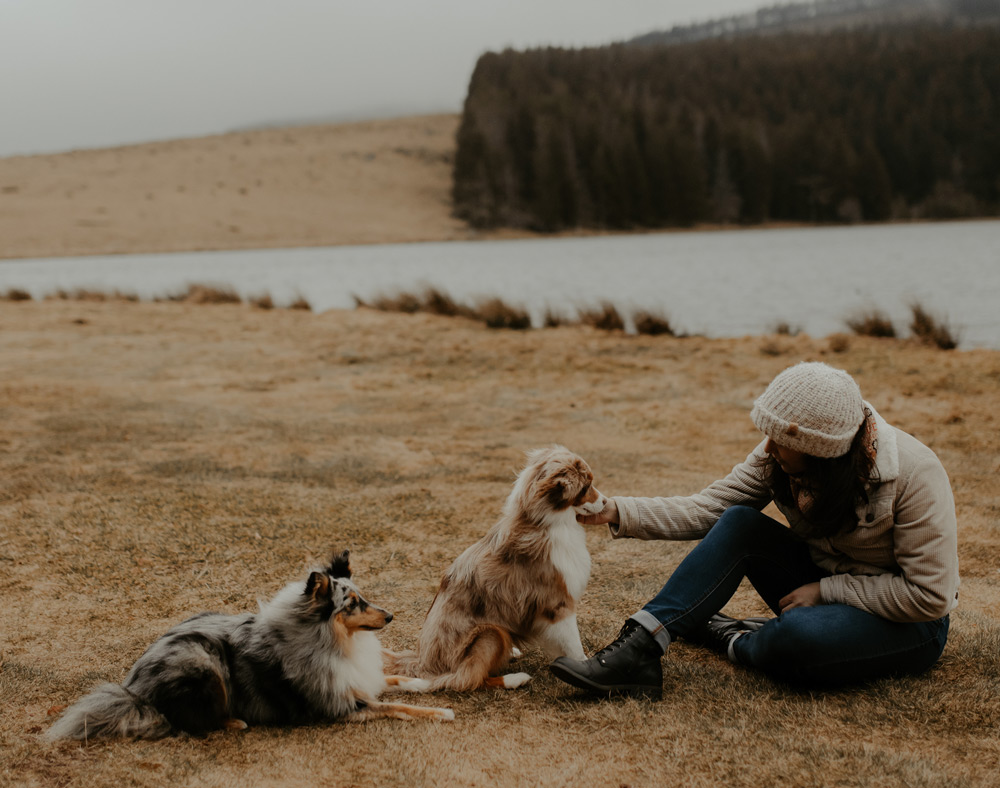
(803, 596)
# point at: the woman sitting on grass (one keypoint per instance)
(862, 581)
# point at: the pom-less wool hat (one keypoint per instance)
(812, 408)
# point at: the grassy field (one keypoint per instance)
(163, 459)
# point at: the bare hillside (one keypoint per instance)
(385, 181)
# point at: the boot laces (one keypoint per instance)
(624, 636)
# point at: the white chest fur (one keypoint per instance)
(569, 554)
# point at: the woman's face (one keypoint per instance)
(790, 461)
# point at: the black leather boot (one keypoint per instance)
(628, 666)
(719, 632)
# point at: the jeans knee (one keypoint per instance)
(836, 645)
(784, 644)
(740, 514)
(741, 524)
(791, 635)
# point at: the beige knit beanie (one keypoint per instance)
(812, 408)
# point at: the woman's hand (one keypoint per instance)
(803, 596)
(609, 514)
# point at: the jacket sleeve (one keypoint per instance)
(691, 517)
(925, 543)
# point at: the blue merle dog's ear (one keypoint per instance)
(318, 586)
(340, 564)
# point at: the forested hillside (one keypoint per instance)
(838, 127)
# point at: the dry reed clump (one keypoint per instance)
(195, 293)
(16, 294)
(604, 317)
(438, 302)
(839, 342)
(407, 303)
(553, 318)
(924, 327)
(496, 313)
(786, 329)
(93, 296)
(929, 330)
(652, 324)
(208, 294)
(872, 323)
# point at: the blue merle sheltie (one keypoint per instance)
(309, 655)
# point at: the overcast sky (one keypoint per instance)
(95, 73)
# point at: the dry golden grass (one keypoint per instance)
(162, 459)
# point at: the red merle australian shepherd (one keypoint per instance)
(518, 585)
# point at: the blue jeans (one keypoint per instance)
(823, 645)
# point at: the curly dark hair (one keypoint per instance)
(836, 485)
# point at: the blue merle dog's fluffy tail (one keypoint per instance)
(110, 710)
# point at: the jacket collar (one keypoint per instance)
(887, 452)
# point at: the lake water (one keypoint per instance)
(714, 283)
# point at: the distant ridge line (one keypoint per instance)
(826, 15)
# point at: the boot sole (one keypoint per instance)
(582, 682)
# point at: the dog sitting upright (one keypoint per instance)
(518, 585)
(309, 655)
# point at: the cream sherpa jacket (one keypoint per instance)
(900, 562)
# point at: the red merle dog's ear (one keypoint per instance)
(340, 564)
(557, 491)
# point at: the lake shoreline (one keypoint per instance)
(808, 280)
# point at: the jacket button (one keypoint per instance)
(869, 517)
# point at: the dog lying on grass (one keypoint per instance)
(310, 654)
(518, 585)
